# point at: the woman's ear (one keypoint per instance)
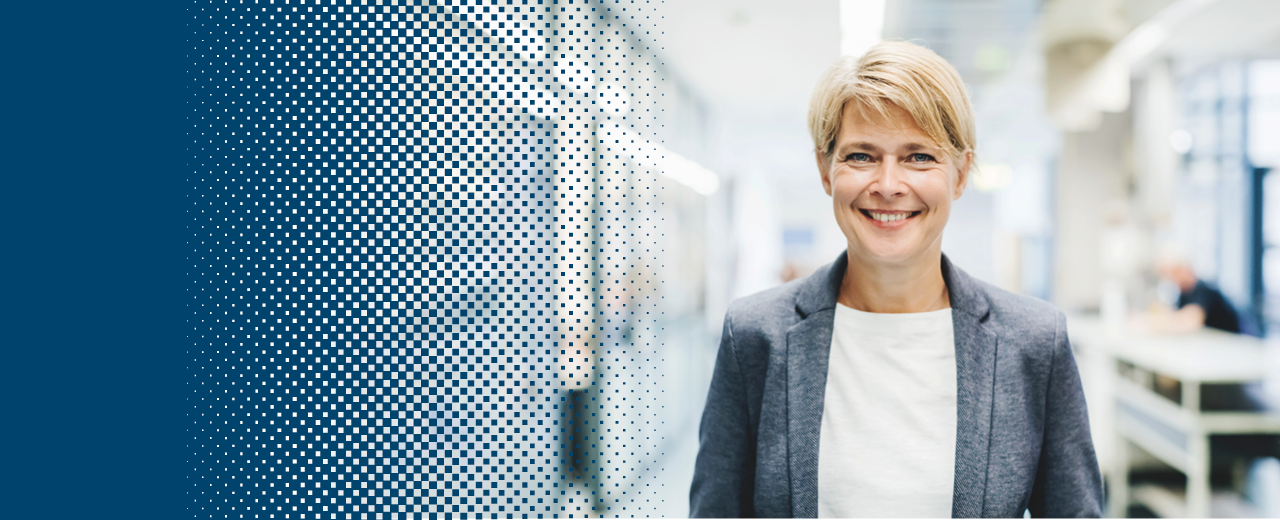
(824, 169)
(962, 177)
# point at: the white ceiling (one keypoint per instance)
(1227, 29)
(756, 60)
(750, 56)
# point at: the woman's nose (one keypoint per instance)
(888, 182)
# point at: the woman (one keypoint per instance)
(890, 383)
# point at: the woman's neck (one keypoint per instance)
(894, 289)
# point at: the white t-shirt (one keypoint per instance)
(888, 440)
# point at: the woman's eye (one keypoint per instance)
(859, 157)
(921, 158)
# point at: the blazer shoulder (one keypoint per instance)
(1019, 314)
(771, 309)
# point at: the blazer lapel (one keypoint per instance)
(975, 386)
(808, 348)
(808, 351)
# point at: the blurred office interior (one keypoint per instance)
(1110, 132)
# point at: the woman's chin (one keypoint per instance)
(888, 253)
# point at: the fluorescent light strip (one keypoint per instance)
(670, 164)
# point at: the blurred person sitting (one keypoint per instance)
(1199, 304)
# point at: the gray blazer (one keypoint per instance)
(1022, 432)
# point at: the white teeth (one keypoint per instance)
(889, 217)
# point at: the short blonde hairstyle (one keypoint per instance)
(901, 74)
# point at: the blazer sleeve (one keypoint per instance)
(724, 473)
(1068, 482)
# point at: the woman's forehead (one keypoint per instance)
(861, 125)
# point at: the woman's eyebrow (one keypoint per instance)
(859, 145)
(916, 147)
(865, 146)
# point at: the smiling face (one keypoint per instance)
(891, 186)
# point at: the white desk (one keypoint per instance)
(1176, 434)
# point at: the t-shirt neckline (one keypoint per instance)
(904, 315)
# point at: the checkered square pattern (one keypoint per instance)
(424, 259)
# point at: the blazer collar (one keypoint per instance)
(808, 352)
(819, 291)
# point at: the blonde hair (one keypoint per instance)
(901, 74)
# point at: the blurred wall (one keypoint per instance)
(1092, 175)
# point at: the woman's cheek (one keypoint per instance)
(846, 188)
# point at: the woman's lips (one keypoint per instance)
(889, 219)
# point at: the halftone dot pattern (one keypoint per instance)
(426, 259)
